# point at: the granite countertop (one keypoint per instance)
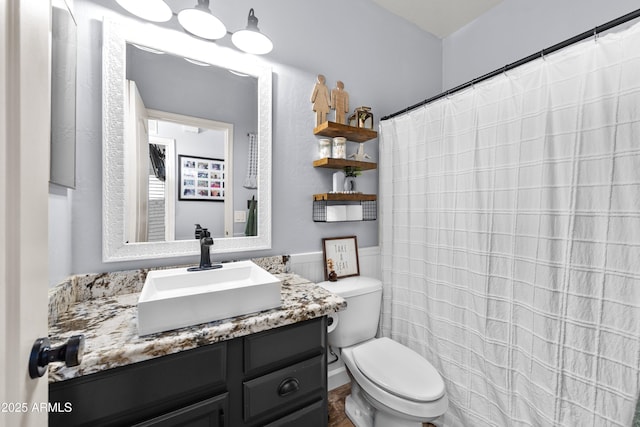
(108, 323)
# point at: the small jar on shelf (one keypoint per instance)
(339, 147)
(324, 148)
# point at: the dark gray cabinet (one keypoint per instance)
(282, 388)
(273, 378)
(208, 413)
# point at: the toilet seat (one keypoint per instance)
(390, 402)
(398, 370)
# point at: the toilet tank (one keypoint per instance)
(359, 321)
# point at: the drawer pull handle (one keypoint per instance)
(288, 386)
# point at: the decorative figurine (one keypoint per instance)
(340, 102)
(333, 277)
(360, 155)
(320, 99)
(360, 116)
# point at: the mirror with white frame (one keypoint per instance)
(120, 182)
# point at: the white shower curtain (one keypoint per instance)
(510, 238)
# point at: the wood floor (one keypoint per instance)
(337, 416)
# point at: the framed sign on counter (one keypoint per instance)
(340, 257)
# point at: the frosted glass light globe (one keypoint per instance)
(202, 24)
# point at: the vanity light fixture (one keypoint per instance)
(251, 40)
(200, 22)
(238, 73)
(196, 62)
(148, 49)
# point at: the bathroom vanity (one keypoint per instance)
(275, 378)
(266, 368)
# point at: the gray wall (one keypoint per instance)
(355, 41)
(515, 29)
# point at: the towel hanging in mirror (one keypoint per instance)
(251, 181)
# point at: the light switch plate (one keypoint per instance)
(239, 216)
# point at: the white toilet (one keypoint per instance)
(392, 385)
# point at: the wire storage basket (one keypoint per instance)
(321, 207)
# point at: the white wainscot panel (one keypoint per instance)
(310, 265)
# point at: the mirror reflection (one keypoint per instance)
(186, 109)
(172, 89)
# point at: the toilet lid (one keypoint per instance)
(399, 370)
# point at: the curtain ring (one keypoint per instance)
(595, 34)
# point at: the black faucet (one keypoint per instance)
(205, 258)
(205, 242)
(198, 232)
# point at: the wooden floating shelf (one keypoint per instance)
(345, 197)
(331, 163)
(352, 133)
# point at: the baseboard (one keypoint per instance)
(337, 375)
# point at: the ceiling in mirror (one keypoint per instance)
(186, 86)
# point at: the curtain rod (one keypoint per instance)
(575, 39)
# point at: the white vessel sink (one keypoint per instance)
(176, 298)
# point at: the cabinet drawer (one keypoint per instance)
(281, 346)
(314, 415)
(208, 413)
(285, 387)
(141, 390)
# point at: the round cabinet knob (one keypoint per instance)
(288, 386)
(42, 354)
(74, 350)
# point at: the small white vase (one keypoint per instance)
(338, 182)
(350, 184)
